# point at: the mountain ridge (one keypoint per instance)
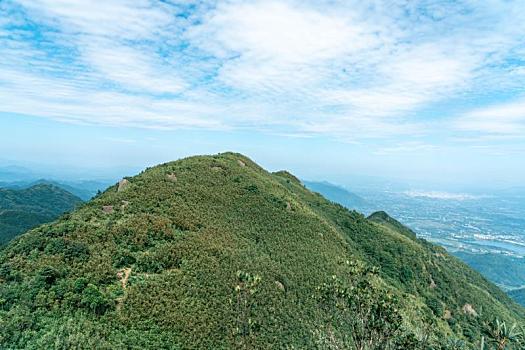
(163, 259)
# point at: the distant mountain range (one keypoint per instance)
(84, 189)
(23, 209)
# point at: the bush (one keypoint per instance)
(48, 275)
(94, 300)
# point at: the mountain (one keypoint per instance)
(336, 194)
(83, 189)
(214, 252)
(21, 210)
(386, 221)
(518, 295)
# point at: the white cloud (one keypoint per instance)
(280, 32)
(503, 119)
(138, 19)
(78, 101)
(131, 68)
(277, 47)
(406, 147)
(429, 66)
(442, 195)
(346, 69)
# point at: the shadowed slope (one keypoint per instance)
(23, 209)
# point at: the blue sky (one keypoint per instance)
(416, 90)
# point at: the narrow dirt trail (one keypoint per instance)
(124, 276)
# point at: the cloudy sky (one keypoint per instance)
(416, 90)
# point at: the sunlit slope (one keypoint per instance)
(153, 262)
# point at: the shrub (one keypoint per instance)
(94, 300)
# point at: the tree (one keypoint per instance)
(94, 300)
(367, 314)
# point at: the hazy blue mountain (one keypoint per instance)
(336, 194)
(506, 271)
(84, 189)
(11, 173)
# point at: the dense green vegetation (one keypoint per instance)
(21, 210)
(385, 220)
(214, 252)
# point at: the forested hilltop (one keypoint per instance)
(23, 209)
(214, 252)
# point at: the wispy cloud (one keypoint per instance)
(406, 147)
(442, 195)
(351, 70)
(507, 119)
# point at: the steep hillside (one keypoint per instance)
(21, 210)
(214, 252)
(388, 222)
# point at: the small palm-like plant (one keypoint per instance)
(455, 344)
(500, 335)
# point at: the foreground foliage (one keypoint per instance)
(366, 315)
(154, 263)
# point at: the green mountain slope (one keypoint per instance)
(21, 210)
(386, 221)
(214, 252)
